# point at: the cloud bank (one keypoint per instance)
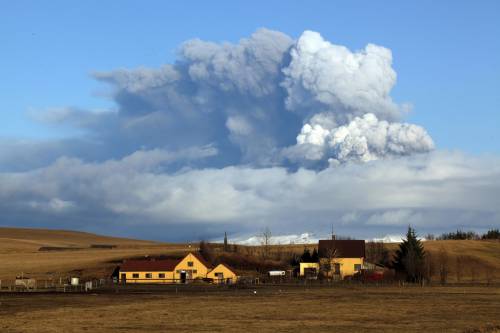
(272, 131)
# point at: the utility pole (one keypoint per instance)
(333, 234)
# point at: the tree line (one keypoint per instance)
(465, 235)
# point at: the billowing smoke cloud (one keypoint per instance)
(215, 93)
(269, 131)
(250, 100)
(326, 77)
(363, 139)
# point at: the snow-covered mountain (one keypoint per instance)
(388, 239)
(304, 238)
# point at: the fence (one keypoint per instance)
(47, 285)
(175, 281)
(110, 285)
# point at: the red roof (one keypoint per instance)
(227, 267)
(201, 259)
(344, 248)
(162, 265)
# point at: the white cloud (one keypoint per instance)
(244, 135)
(439, 190)
(238, 125)
(398, 217)
(327, 77)
(363, 139)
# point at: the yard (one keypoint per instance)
(270, 309)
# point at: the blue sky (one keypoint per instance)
(445, 53)
(236, 137)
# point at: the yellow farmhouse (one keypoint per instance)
(222, 274)
(343, 258)
(185, 270)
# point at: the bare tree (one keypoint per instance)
(327, 265)
(429, 266)
(489, 274)
(266, 236)
(206, 251)
(443, 265)
(459, 267)
(376, 253)
(430, 237)
(473, 269)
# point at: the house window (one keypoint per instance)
(336, 268)
(135, 275)
(161, 275)
(195, 271)
(178, 271)
(190, 264)
(219, 275)
(149, 276)
(357, 267)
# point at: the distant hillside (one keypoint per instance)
(32, 239)
(70, 253)
(477, 260)
(487, 251)
(43, 253)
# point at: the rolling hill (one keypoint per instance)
(41, 253)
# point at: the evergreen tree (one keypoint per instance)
(294, 260)
(226, 248)
(306, 256)
(492, 234)
(315, 256)
(409, 259)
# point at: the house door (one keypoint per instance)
(123, 278)
(183, 276)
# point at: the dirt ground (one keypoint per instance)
(297, 309)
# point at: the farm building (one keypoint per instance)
(184, 270)
(342, 257)
(309, 269)
(222, 274)
(346, 257)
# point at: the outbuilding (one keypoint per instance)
(165, 271)
(222, 274)
(344, 257)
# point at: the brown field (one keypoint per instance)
(487, 251)
(480, 263)
(341, 308)
(272, 309)
(19, 253)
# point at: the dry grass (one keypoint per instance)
(19, 253)
(481, 258)
(357, 309)
(487, 251)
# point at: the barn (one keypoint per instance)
(222, 274)
(166, 271)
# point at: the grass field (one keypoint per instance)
(19, 253)
(345, 308)
(325, 309)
